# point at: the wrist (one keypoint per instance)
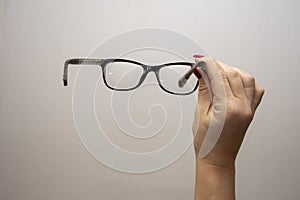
(214, 181)
(219, 156)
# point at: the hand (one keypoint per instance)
(243, 95)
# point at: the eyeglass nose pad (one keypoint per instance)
(156, 72)
(147, 69)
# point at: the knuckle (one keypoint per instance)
(223, 75)
(233, 73)
(232, 110)
(251, 78)
(238, 112)
(248, 114)
(260, 90)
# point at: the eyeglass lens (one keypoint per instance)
(126, 75)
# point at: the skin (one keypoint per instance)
(215, 173)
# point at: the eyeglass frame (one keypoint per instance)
(146, 69)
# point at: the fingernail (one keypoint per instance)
(198, 56)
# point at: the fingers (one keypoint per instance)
(233, 81)
(253, 91)
(218, 85)
(236, 81)
(217, 80)
(204, 95)
(248, 83)
(236, 84)
(259, 93)
(204, 102)
(202, 85)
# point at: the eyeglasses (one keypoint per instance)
(125, 75)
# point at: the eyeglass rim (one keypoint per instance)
(146, 69)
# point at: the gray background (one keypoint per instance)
(41, 156)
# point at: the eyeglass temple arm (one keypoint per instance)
(182, 81)
(78, 61)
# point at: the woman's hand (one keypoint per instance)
(235, 95)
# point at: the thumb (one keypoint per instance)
(215, 79)
(204, 94)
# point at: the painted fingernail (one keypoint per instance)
(198, 56)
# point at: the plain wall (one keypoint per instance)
(41, 156)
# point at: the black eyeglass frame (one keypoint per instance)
(146, 69)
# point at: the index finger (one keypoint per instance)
(215, 77)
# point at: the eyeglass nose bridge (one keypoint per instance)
(147, 70)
